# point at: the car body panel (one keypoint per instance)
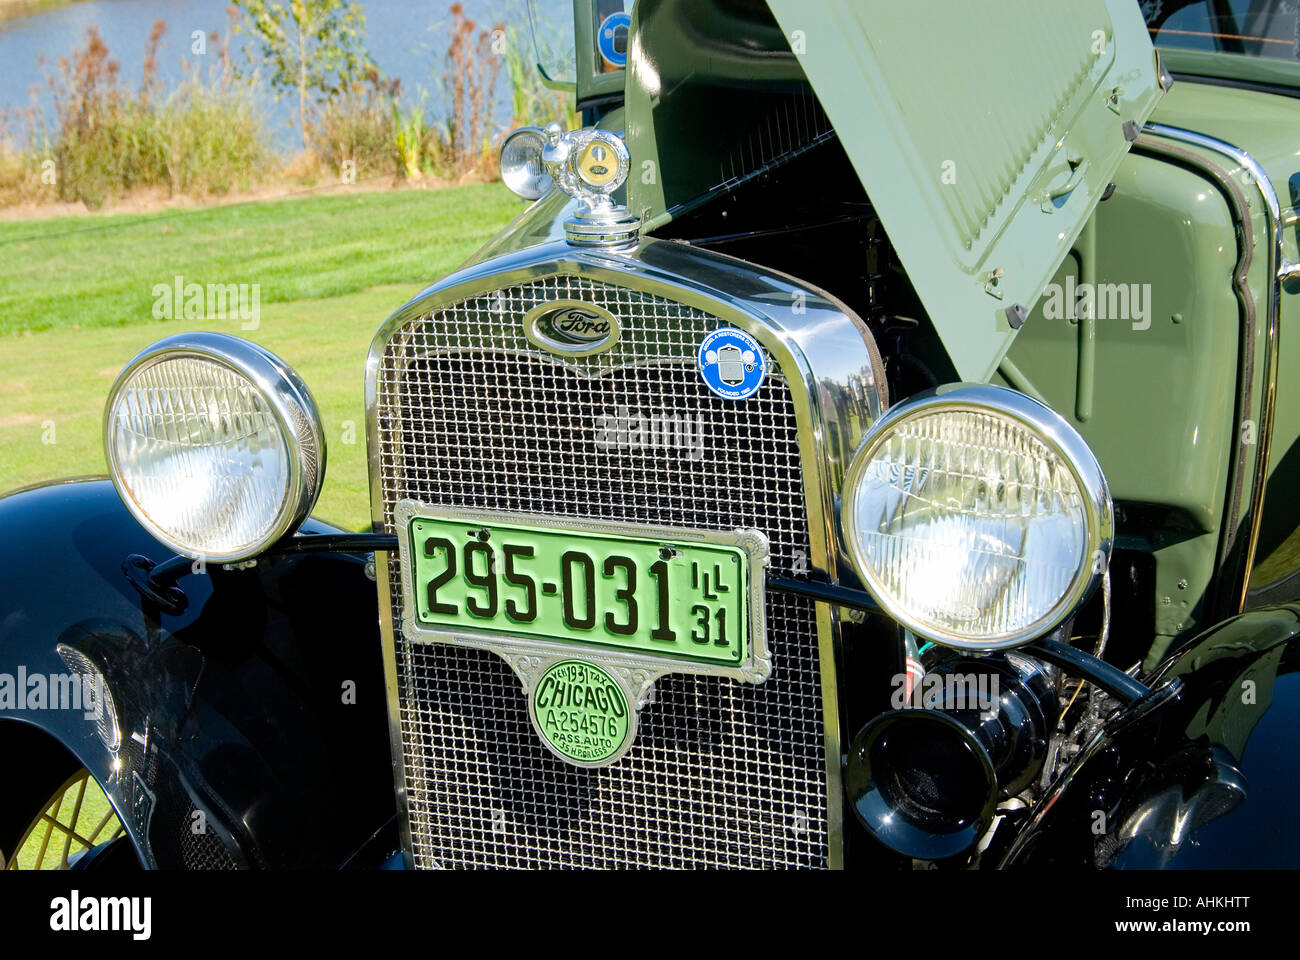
(238, 707)
(1265, 125)
(983, 163)
(691, 131)
(1152, 395)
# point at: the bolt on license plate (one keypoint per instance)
(654, 594)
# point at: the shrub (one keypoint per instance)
(216, 139)
(361, 125)
(467, 133)
(207, 136)
(20, 181)
(23, 173)
(531, 101)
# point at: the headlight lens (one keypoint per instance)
(522, 169)
(215, 445)
(977, 516)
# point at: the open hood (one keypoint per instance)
(984, 133)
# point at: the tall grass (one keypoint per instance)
(531, 101)
(208, 136)
(370, 126)
(410, 138)
(469, 79)
(204, 137)
(217, 140)
(21, 171)
(356, 130)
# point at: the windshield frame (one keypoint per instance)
(592, 86)
(1242, 68)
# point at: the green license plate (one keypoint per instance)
(667, 597)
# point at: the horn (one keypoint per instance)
(926, 781)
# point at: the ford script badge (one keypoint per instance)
(572, 327)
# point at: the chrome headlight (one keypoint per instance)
(976, 516)
(522, 169)
(214, 444)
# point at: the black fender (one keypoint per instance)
(1203, 777)
(253, 723)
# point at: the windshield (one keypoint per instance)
(1243, 39)
(554, 36)
(552, 26)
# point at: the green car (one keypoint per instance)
(874, 446)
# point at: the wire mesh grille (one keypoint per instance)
(722, 773)
(203, 850)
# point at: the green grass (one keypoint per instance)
(101, 271)
(331, 269)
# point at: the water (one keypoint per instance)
(405, 39)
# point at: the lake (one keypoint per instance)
(405, 39)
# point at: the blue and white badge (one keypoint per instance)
(612, 39)
(732, 363)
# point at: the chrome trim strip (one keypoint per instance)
(1272, 329)
(1248, 333)
(814, 338)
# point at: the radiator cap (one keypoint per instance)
(589, 165)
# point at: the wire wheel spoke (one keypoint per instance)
(75, 819)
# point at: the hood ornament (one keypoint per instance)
(589, 165)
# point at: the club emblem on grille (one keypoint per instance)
(732, 363)
(571, 327)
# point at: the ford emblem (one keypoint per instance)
(571, 327)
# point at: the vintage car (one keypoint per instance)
(875, 446)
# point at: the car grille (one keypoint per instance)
(204, 850)
(722, 773)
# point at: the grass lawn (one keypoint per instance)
(76, 304)
(101, 271)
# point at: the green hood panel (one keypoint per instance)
(984, 134)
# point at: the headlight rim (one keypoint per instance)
(545, 184)
(291, 403)
(1056, 433)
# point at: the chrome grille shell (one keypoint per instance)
(475, 787)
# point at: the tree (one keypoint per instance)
(312, 47)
